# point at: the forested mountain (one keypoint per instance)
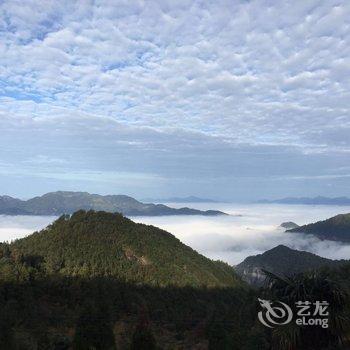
(92, 244)
(280, 260)
(63, 202)
(97, 280)
(336, 228)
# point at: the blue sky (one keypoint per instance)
(224, 99)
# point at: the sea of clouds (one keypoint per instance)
(250, 229)
(14, 227)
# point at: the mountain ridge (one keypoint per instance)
(188, 199)
(319, 200)
(280, 260)
(336, 228)
(67, 202)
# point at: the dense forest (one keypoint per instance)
(97, 280)
(103, 274)
(95, 244)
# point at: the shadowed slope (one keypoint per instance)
(336, 228)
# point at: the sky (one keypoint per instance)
(233, 100)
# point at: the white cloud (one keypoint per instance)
(14, 227)
(233, 238)
(231, 74)
(229, 238)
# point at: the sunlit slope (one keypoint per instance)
(90, 244)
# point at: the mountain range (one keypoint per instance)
(280, 260)
(336, 228)
(309, 201)
(189, 199)
(64, 202)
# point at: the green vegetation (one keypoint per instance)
(311, 287)
(91, 334)
(336, 228)
(92, 279)
(96, 280)
(96, 244)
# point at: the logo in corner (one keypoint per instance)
(277, 315)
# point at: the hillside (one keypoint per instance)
(91, 244)
(62, 202)
(336, 228)
(280, 260)
(97, 280)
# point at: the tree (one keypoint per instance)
(313, 287)
(143, 338)
(94, 330)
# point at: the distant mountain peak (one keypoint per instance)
(281, 260)
(289, 225)
(336, 228)
(318, 200)
(280, 248)
(67, 202)
(188, 199)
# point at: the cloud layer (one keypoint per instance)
(230, 238)
(233, 238)
(175, 96)
(14, 227)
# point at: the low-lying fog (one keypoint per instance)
(13, 227)
(233, 238)
(228, 238)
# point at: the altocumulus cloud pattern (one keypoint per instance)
(180, 94)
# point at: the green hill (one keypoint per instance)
(97, 280)
(104, 244)
(336, 228)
